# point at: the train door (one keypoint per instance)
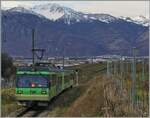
(50, 83)
(60, 82)
(63, 80)
(54, 85)
(57, 83)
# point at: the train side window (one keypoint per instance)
(72, 77)
(54, 77)
(59, 79)
(66, 78)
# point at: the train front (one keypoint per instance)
(32, 87)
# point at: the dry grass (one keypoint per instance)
(90, 103)
(104, 97)
(118, 101)
(62, 102)
(8, 103)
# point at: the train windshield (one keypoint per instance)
(32, 81)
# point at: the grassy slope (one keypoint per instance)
(90, 103)
(104, 93)
(8, 103)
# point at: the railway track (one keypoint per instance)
(18, 112)
(30, 112)
(35, 111)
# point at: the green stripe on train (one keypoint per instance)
(33, 97)
(30, 91)
(42, 73)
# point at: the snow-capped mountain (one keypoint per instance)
(20, 9)
(141, 20)
(87, 35)
(57, 12)
(23, 10)
(103, 17)
(50, 11)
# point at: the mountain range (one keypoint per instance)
(63, 31)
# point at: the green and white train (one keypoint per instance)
(41, 85)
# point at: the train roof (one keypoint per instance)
(41, 70)
(23, 68)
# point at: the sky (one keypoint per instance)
(116, 8)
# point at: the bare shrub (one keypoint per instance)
(117, 100)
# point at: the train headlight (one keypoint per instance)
(33, 85)
(44, 92)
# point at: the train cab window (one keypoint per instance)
(32, 81)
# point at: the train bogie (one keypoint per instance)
(33, 103)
